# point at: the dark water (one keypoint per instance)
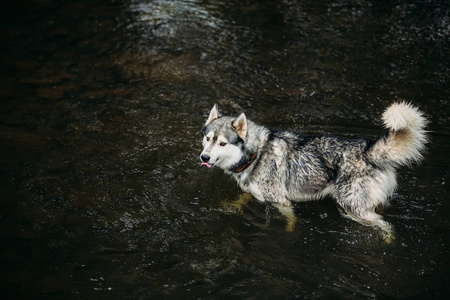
(101, 104)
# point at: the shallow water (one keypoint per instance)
(101, 106)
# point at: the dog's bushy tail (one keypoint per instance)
(406, 138)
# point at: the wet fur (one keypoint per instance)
(360, 174)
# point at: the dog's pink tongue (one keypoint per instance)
(206, 164)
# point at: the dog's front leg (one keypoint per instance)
(288, 212)
(236, 206)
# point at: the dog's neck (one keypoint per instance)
(258, 134)
(245, 165)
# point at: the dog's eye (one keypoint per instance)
(223, 144)
(207, 139)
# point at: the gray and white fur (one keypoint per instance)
(284, 166)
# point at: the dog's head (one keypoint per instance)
(223, 140)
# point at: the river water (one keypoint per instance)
(101, 107)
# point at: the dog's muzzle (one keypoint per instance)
(205, 158)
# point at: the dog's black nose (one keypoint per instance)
(205, 157)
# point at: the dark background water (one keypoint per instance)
(101, 106)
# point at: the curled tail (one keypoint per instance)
(406, 136)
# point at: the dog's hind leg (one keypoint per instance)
(387, 231)
(359, 197)
(288, 213)
(370, 218)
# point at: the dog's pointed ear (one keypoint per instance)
(240, 125)
(214, 114)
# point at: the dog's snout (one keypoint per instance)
(205, 158)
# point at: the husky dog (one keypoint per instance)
(283, 166)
